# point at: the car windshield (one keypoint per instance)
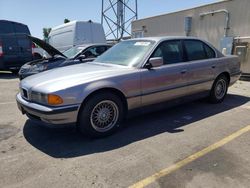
(126, 53)
(72, 52)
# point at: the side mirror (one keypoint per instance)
(81, 57)
(154, 62)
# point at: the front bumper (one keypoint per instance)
(53, 115)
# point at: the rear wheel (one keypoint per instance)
(219, 89)
(101, 115)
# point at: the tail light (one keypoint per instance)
(33, 46)
(1, 50)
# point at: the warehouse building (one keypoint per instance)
(225, 24)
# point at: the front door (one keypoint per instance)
(167, 81)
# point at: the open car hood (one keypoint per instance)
(48, 48)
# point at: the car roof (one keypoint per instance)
(162, 38)
(9, 21)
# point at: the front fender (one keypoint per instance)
(95, 86)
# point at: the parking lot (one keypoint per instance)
(160, 149)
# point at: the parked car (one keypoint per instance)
(38, 53)
(75, 33)
(131, 75)
(15, 47)
(74, 55)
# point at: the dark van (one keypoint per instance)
(15, 46)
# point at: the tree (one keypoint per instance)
(66, 20)
(46, 32)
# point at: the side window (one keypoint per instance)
(90, 53)
(195, 50)
(95, 51)
(100, 50)
(170, 51)
(209, 51)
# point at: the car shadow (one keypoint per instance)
(67, 142)
(7, 75)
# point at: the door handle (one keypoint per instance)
(183, 71)
(213, 66)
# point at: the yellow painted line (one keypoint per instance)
(189, 159)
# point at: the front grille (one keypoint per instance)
(25, 93)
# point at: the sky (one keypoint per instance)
(38, 14)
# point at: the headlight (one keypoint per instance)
(38, 97)
(24, 68)
(50, 99)
(40, 67)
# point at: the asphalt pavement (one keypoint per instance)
(196, 144)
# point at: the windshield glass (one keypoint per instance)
(126, 53)
(72, 52)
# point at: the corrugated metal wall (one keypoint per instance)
(210, 27)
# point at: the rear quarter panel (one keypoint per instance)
(230, 64)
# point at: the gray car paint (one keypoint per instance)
(139, 85)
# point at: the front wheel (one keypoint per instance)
(101, 115)
(219, 89)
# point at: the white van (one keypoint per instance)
(74, 33)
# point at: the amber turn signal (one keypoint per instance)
(54, 99)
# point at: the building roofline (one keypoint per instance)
(201, 6)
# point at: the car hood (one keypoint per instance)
(48, 48)
(70, 76)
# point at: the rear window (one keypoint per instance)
(24, 42)
(197, 50)
(19, 28)
(6, 27)
(210, 52)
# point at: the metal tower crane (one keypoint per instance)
(117, 16)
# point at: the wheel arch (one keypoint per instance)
(225, 74)
(115, 91)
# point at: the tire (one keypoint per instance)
(101, 115)
(15, 71)
(219, 89)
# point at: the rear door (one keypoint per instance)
(10, 50)
(25, 49)
(202, 62)
(15, 45)
(24, 43)
(9, 44)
